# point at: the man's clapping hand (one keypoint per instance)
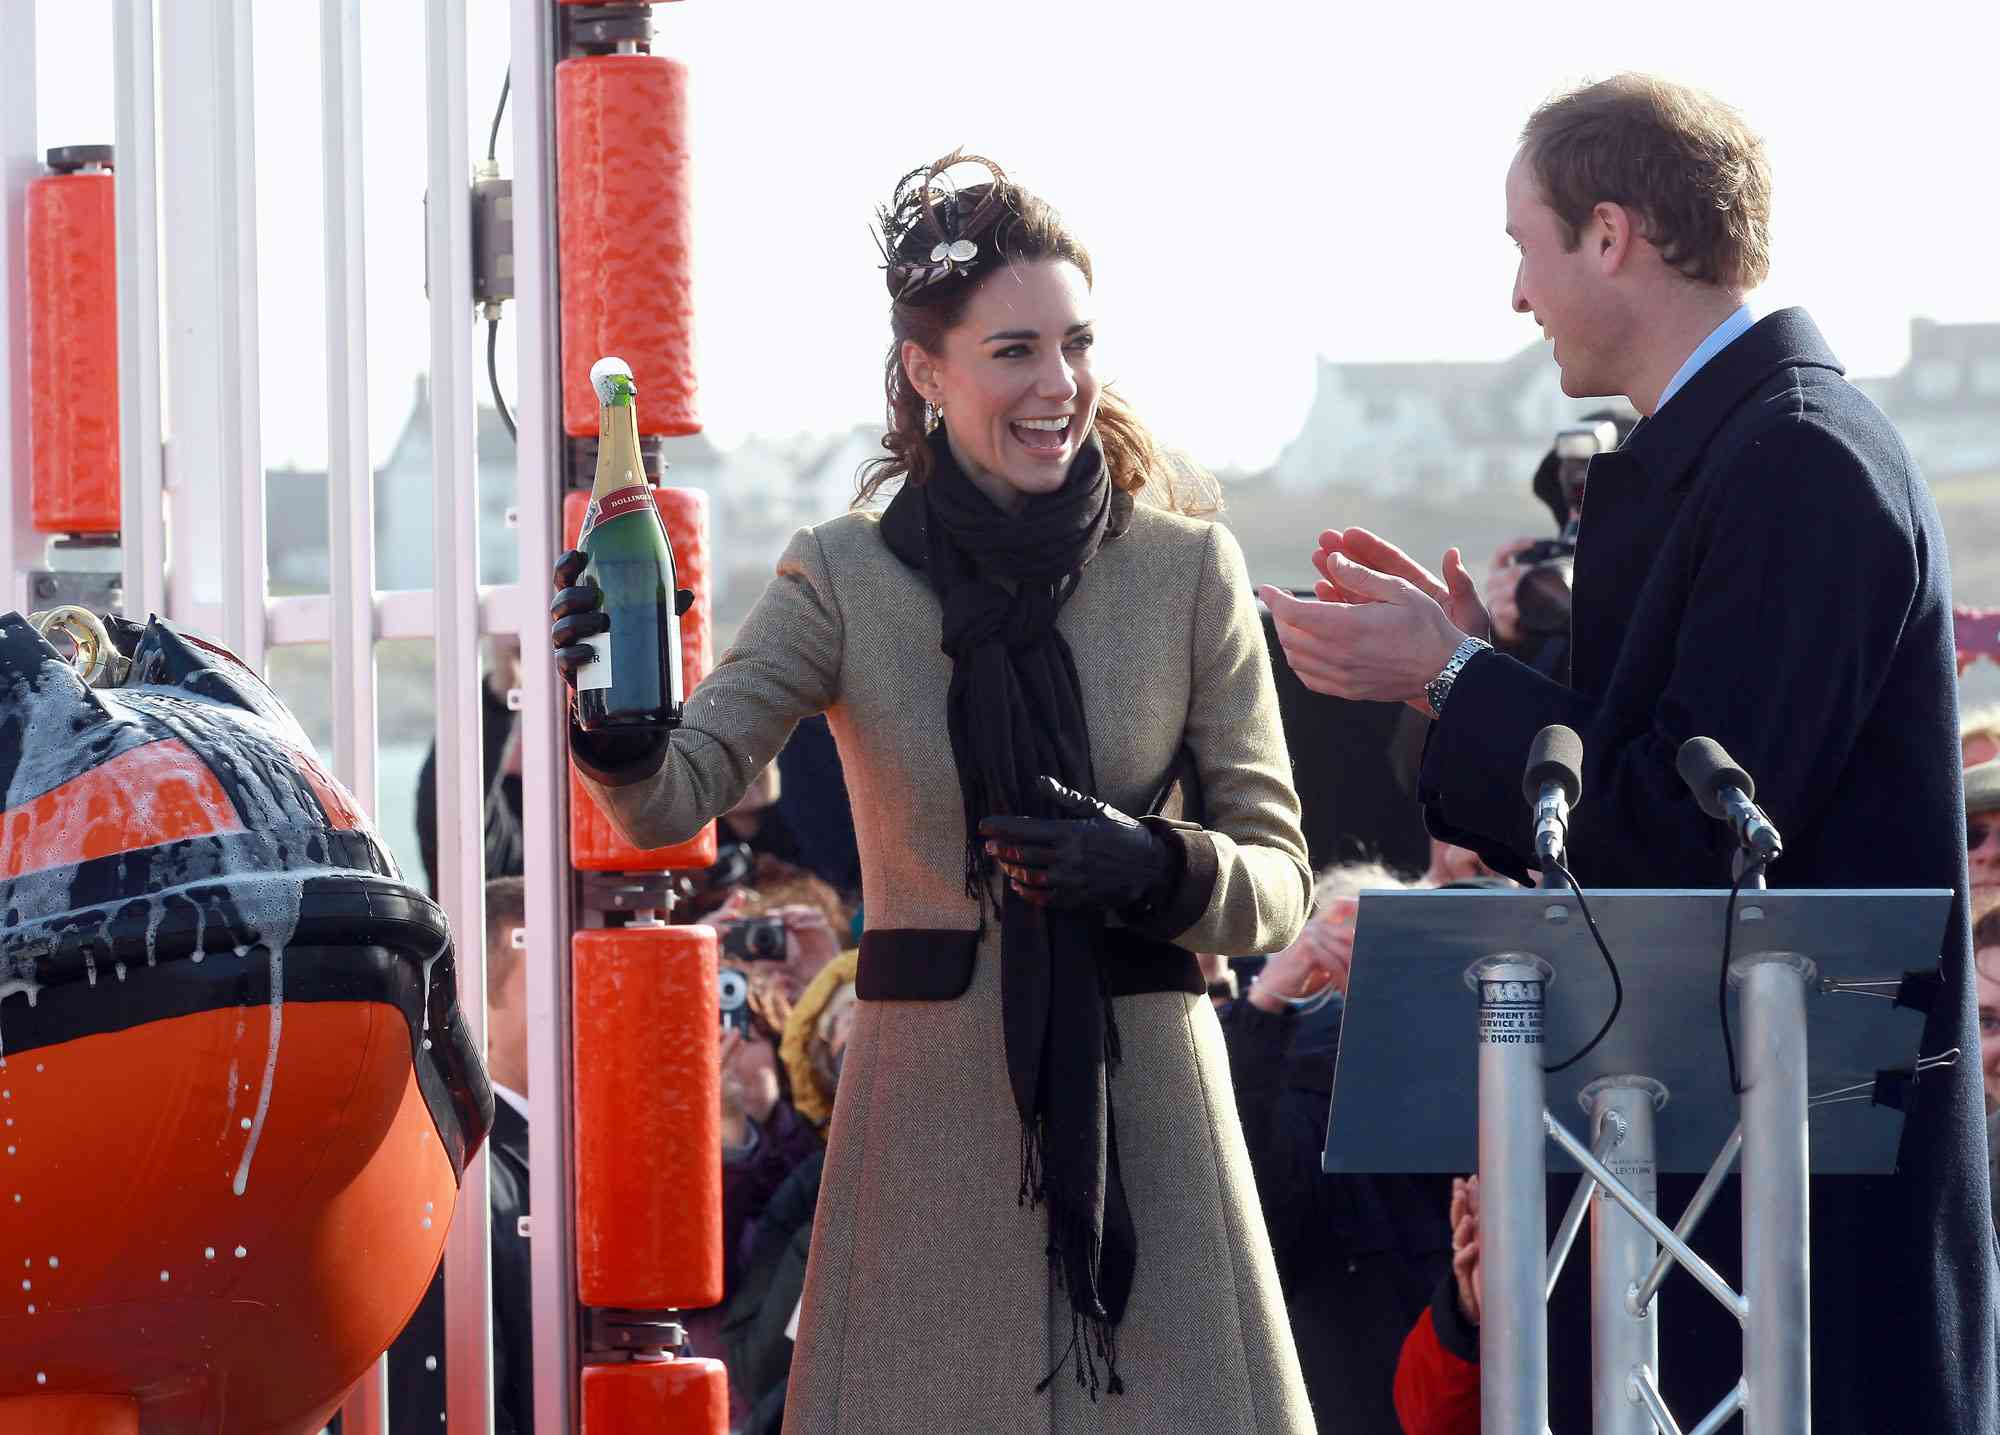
(1382, 626)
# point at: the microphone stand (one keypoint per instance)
(1746, 871)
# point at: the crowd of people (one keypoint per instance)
(1089, 1024)
(1380, 1274)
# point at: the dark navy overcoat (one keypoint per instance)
(1761, 563)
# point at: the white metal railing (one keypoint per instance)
(544, 741)
(350, 481)
(460, 791)
(192, 510)
(136, 195)
(349, 476)
(18, 165)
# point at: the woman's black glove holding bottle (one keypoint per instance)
(578, 611)
(1098, 857)
(578, 614)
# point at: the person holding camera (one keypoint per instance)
(1033, 663)
(1528, 584)
(764, 1137)
(1759, 563)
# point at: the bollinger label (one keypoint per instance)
(615, 504)
(598, 674)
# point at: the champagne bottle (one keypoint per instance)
(636, 678)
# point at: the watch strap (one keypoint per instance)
(1438, 690)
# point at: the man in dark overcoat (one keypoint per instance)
(1759, 563)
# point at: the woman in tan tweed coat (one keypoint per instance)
(936, 1298)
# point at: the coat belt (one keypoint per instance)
(930, 964)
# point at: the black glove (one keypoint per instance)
(1099, 858)
(578, 610)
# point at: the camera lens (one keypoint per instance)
(733, 989)
(767, 942)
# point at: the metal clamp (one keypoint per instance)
(632, 1332)
(635, 891)
(1894, 1087)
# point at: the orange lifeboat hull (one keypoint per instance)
(235, 1094)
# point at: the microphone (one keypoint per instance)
(1727, 794)
(1552, 784)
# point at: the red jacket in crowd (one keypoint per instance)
(1437, 1378)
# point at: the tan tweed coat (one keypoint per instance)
(929, 1305)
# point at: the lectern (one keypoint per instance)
(1458, 1000)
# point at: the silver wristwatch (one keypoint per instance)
(1439, 687)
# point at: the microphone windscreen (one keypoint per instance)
(1556, 755)
(1706, 768)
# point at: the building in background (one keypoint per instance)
(1388, 428)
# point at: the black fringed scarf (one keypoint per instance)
(1015, 710)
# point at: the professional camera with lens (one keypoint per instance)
(1544, 590)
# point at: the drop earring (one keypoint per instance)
(933, 416)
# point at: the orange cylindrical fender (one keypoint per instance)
(594, 844)
(623, 227)
(659, 1397)
(648, 1118)
(73, 352)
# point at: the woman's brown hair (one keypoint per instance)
(929, 296)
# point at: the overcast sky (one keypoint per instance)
(1259, 182)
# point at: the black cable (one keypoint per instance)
(493, 377)
(1617, 986)
(493, 139)
(1722, 979)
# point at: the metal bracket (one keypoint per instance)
(492, 238)
(580, 457)
(632, 1332)
(634, 891)
(607, 28)
(99, 592)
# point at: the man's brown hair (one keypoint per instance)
(1681, 160)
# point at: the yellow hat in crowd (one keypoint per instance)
(803, 1046)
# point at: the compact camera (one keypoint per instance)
(756, 939)
(734, 989)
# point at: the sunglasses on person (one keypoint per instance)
(1976, 833)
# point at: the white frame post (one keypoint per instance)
(244, 562)
(142, 506)
(545, 757)
(455, 584)
(350, 481)
(350, 475)
(208, 162)
(19, 164)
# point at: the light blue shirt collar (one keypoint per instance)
(1720, 338)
